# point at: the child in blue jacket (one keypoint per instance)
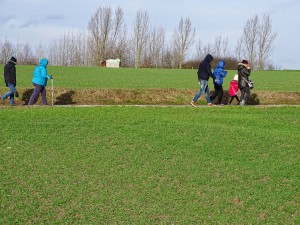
(219, 73)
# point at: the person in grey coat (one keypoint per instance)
(244, 72)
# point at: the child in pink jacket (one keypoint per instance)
(233, 90)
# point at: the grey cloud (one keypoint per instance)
(29, 24)
(6, 19)
(53, 17)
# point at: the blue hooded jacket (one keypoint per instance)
(40, 75)
(219, 72)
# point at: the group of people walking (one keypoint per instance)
(240, 82)
(40, 78)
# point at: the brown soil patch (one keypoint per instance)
(151, 97)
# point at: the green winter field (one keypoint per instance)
(141, 78)
(166, 163)
(123, 86)
(150, 165)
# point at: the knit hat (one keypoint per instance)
(13, 59)
(236, 77)
(245, 62)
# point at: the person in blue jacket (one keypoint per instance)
(40, 78)
(219, 73)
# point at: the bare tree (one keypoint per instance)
(265, 42)
(140, 36)
(183, 38)
(25, 56)
(40, 52)
(239, 50)
(203, 50)
(7, 50)
(220, 47)
(249, 38)
(225, 43)
(107, 33)
(100, 27)
(117, 41)
(156, 46)
(217, 46)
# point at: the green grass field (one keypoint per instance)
(115, 86)
(150, 165)
(95, 77)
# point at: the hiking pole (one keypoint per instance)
(52, 90)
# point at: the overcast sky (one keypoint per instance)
(40, 21)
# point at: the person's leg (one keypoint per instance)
(215, 94)
(207, 94)
(12, 95)
(34, 95)
(231, 99)
(237, 98)
(220, 94)
(242, 96)
(247, 93)
(10, 92)
(203, 85)
(44, 98)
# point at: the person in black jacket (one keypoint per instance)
(10, 80)
(243, 81)
(204, 72)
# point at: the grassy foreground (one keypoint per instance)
(150, 165)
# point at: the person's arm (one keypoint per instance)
(13, 75)
(44, 74)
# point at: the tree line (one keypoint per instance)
(146, 45)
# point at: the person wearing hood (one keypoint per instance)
(219, 73)
(204, 72)
(244, 72)
(40, 78)
(10, 80)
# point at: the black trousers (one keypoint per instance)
(234, 97)
(218, 92)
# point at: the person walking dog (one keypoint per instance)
(244, 72)
(10, 79)
(204, 72)
(40, 78)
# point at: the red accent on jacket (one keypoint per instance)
(233, 88)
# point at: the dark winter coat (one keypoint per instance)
(243, 73)
(10, 73)
(219, 73)
(204, 71)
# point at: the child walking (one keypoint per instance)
(219, 73)
(233, 90)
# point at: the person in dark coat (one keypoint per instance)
(219, 73)
(204, 72)
(10, 80)
(244, 72)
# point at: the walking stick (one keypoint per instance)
(52, 90)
